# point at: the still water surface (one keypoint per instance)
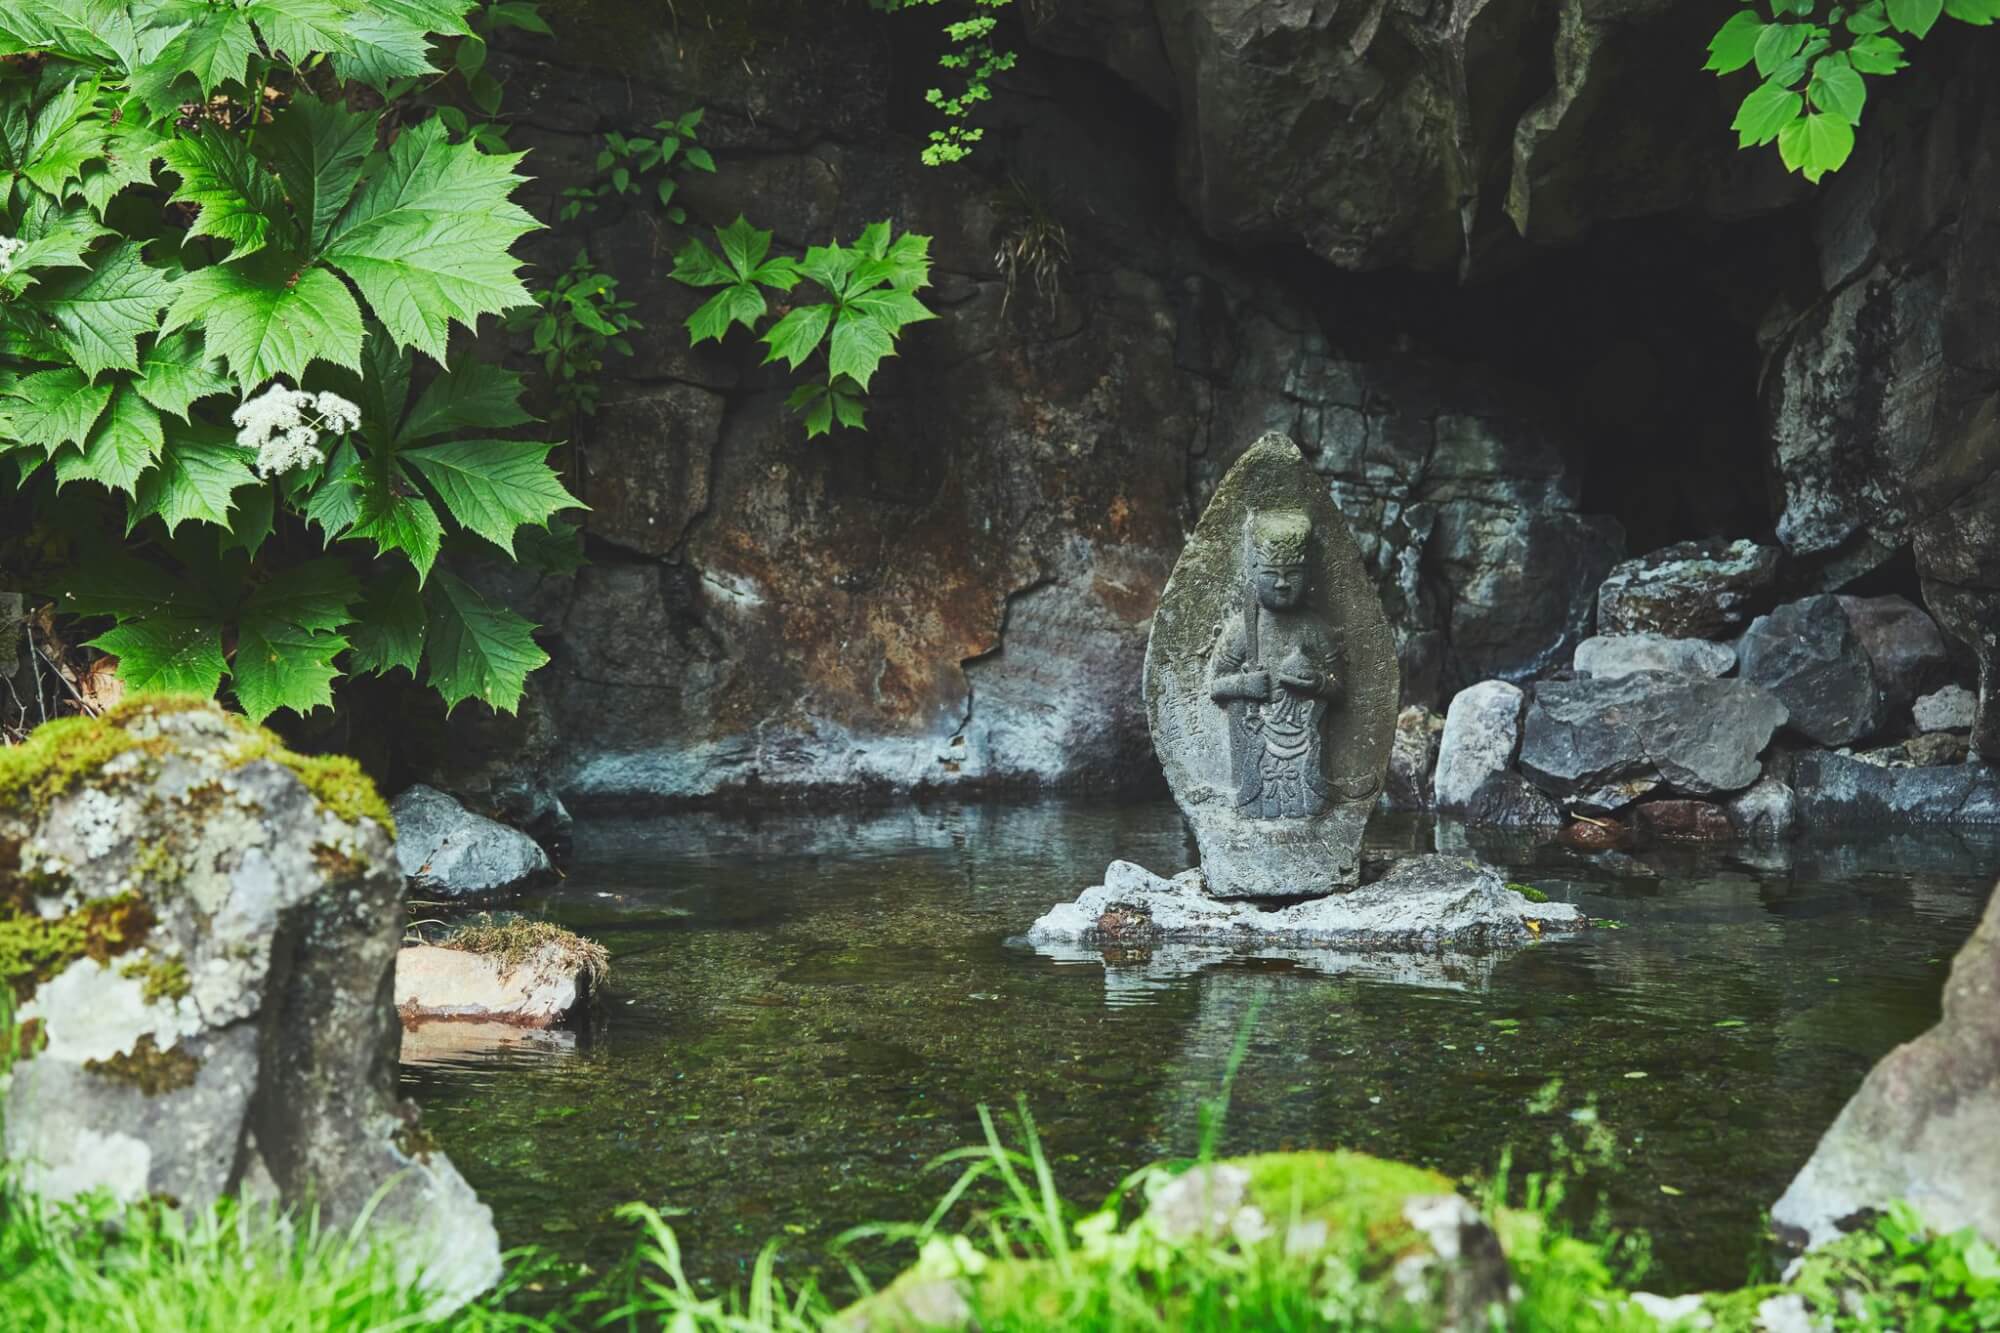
(806, 1009)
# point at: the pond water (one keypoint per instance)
(806, 1009)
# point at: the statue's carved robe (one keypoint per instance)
(1276, 743)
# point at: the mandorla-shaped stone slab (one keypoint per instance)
(1271, 683)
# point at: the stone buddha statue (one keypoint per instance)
(1276, 671)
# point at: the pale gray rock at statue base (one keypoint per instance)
(1133, 973)
(437, 984)
(1925, 1125)
(1693, 590)
(1806, 653)
(1836, 789)
(1412, 760)
(447, 850)
(244, 1038)
(1949, 709)
(1904, 646)
(1602, 744)
(1271, 683)
(1425, 902)
(1611, 655)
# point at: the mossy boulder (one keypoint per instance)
(1311, 1219)
(199, 929)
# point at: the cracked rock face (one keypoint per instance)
(1808, 655)
(1838, 789)
(1602, 744)
(1691, 590)
(224, 1025)
(1925, 1125)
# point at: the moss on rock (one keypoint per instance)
(34, 948)
(148, 1068)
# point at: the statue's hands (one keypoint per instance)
(1257, 686)
(1306, 681)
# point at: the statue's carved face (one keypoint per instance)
(1280, 587)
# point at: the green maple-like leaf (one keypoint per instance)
(493, 487)
(477, 395)
(384, 46)
(1764, 112)
(1736, 43)
(335, 500)
(125, 443)
(266, 320)
(741, 270)
(53, 236)
(318, 149)
(167, 653)
(857, 346)
(388, 631)
(238, 200)
(301, 28)
(477, 650)
(131, 146)
(177, 371)
(312, 596)
(198, 471)
(101, 314)
(797, 336)
(393, 514)
(1814, 145)
(427, 237)
(54, 407)
(279, 665)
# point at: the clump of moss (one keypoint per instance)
(159, 978)
(34, 948)
(56, 757)
(335, 780)
(516, 942)
(1530, 892)
(148, 1068)
(157, 866)
(414, 1141)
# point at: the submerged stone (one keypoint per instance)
(530, 974)
(1271, 683)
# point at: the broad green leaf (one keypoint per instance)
(383, 46)
(1732, 47)
(857, 347)
(698, 266)
(1764, 112)
(441, 16)
(1915, 16)
(394, 515)
(54, 407)
(815, 402)
(493, 487)
(477, 650)
(198, 470)
(176, 372)
(318, 149)
(892, 309)
(848, 408)
(831, 266)
(62, 135)
(239, 201)
(1836, 88)
(741, 304)
(37, 25)
(253, 517)
(797, 336)
(52, 236)
(314, 595)
(1876, 55)
(300, 28)
(426, 238)
(335, 501)
(214, 46)
(131, 146)
(124, 445)
(743, 246)
(1979, 13)
(101, 314)
(1815, 145)
(282, 666)
(266, 322)
(1776, 44)
(388, 631)
(478, 395)
(112, 583)
(166, 653)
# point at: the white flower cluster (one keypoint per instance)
(9, 247)
(283, 425)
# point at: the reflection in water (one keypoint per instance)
(805, 1010)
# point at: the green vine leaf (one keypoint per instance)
(267, 321)
(101, 314)
(493, 487)
(477, 650)
(166, 653)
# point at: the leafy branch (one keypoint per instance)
(975, 60)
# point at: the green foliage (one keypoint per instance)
(577, 320)
(1898, 1273)
(974, 59)
(870, 289)
(1814, 59)
(230, 228)
(642, 164)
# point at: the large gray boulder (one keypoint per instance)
(1602, 744)
(1413, 760)
(1837, 789)
(1475, 781)
(1691, 590)
(448, 851)
(1808, 655)
(1610, 655)
(1925, 1126)
(1904, 646)
(213, 1013)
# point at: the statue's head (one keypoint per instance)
(1278, 540)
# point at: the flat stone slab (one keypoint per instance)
(436, 984)
(1426, 904)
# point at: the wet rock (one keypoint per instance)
(1904, 646)
(1594, 835)
(1767, 811)
(1936, 747)
(1602, 744)
(1692, 590)
(227, 1020)
(1412, 759)
(1611, 655)
(1835, 789)
(448, 851)
(505, 763)
(1682, 821)
(1424, 903)
(1949, 709)
(1925, 1125)
(1482, 733)
(1808, 655)
(543, 986)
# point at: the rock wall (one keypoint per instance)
(959, 597)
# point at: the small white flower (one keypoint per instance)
(283, 425)
(9, 247)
